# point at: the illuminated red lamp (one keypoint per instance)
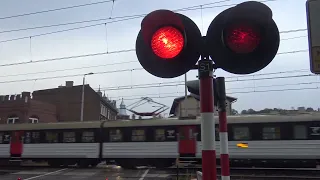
(167, 42)
(242, 38)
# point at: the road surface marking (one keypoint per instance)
(46, 174)
(144, 174)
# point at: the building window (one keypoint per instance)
(33, 120)
(12, 119)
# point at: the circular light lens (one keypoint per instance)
(167, 42)
(242, 38)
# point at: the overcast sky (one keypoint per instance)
(288, 14)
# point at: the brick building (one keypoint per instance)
(23, 109)
(67, 100)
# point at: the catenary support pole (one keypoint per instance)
(209, 171)
(224, 152)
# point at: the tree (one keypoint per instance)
(244, 112)
(251, 111)
(234, 112)
(309, 109)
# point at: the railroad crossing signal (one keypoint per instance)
(313, 13)
(241, 40)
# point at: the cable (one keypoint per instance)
(242, 92)
(126, 62)
(53, 77)
(181, 83)
(65, 30)
(105, 53)
(99, 24)
(63, 76)
(104, 19)
(59, 70)
(262, 86)
(57, 9)
(68, 57)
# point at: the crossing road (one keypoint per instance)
(113, 173)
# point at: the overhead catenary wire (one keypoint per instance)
(125, 62)
(56, 9)
(108, 18)
(134, 86)
(104, 53)
(240, 92)
(181, 83)
(262, 86)
(129, 18)
(190, 8)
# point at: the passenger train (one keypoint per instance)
(272, 140)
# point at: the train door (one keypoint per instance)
(187, 141)
(16, 144)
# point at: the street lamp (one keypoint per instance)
(82, 98)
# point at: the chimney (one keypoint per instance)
(18, 97)
(25, 96)
(1, 98)
(6, 98)
(12, 97)
(100, 93)
(69, 83)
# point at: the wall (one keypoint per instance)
(68, 102)
(25, 109)
(191, 107)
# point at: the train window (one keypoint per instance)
(34, 137)
(160, 135)
(171, 135)
(241, 133)
(27, 138)
(1, 138)
(52, 137)
(300, 132)
(6, 138)
(217, 134)
(69, 137)
(138, 135)
(271, 133)
(87, 136)
(115, 135)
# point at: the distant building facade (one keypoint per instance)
(190, 106)
(67, 100)
(23, 109)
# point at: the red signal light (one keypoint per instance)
(167, 42)
(242, 38)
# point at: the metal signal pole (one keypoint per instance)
(209, 169)
(224, 152)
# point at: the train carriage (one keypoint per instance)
(272, 140)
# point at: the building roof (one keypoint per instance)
(62, 89)
(177, 100)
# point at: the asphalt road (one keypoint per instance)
(107, 173)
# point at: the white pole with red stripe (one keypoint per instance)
(223, 128)
(209, 169)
